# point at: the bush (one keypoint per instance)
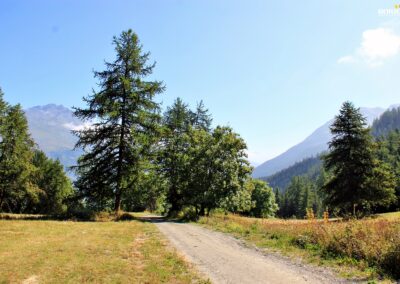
(79, 214)
(391, 260)
(125, 217)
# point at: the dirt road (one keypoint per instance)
(224, 259)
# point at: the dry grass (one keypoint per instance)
(366, 249)
(87, 252)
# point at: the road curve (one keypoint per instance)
(224, 259)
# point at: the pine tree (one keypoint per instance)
(125, 121)
(201, 118)
(177, 118)
(174, 154)
(56, 187)
(17, 191)
(356, 174)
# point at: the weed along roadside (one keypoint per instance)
(366, 249)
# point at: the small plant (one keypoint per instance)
(326, 216)
(310, 214)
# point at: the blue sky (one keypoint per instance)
(273, 70)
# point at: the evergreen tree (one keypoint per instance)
(55, 186)
(358, 182)
(302, 194)
(177, 118)
(173, 158)
(201, 118)
(125, 121)
(389, 153)
(17, 191)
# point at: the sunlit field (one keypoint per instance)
(363, 249)
(88, 252)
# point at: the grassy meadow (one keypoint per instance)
(34, 251)
(365, 249)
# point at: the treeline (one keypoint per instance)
(135, 158)
(359, 175)
(30, 182)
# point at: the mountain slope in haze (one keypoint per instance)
(50, 127)
(388, 121)
(314, 144)
(311, 167)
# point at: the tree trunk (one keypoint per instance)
(202, 211)
(121, 152)
(117, 206)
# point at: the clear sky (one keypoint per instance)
(273, 70)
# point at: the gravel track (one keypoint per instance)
(224, 259)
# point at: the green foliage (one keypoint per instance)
(241, 200)
(173, 154)
(17, 192)
(358, 180)
(29, 181)
(125, 121)
(204, 168)
(221, 167)
(389, 152)
(55, 185)
(201, 119)
(263, 198)
(148, 193)
(301, 194)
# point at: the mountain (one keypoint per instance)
(314, 144)
(388, 121)
(50, 127)
(311, 167)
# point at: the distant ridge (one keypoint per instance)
(50, 126)
(314, 144)
(311, 167)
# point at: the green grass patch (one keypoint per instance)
(88, 252)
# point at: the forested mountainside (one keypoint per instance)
(387, 122)
(311, 167)
(314, 144)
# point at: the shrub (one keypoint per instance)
(391, 260)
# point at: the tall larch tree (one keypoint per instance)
(17, 191)
(358, 180)
(125, 120)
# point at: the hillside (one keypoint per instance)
(314, 144)
(388, 121)
(309, 167)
